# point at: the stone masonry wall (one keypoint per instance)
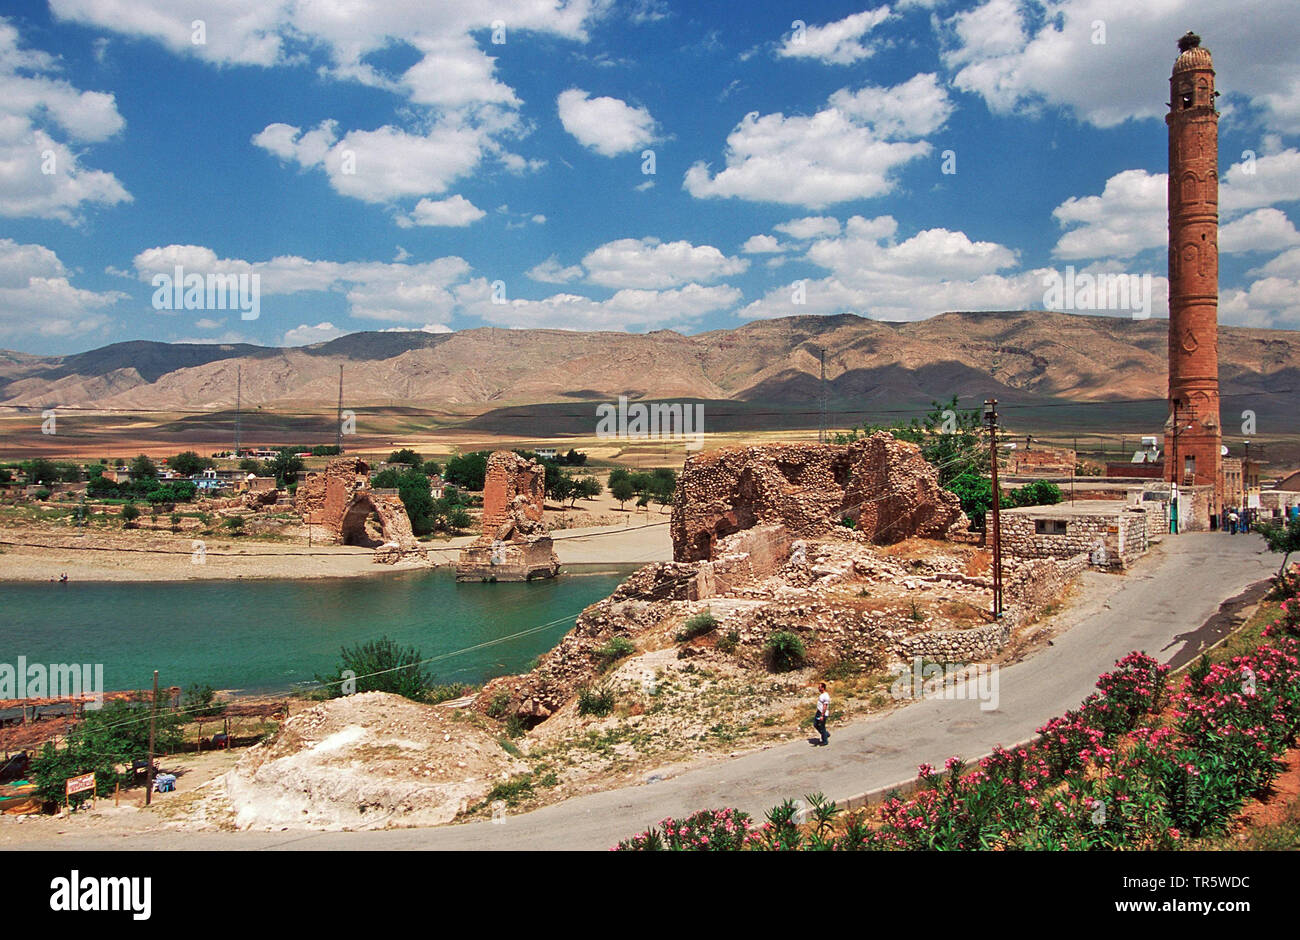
(883, 484)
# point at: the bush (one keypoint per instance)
(595, 700)
(728, 643)
(200, 701)
(702, 623)
(499, 705)
(44, 493)
(130, 513)
(784, 651)
(381, 666)
(614, 650)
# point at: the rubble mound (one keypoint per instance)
(882, 485)
(367, 761)
(340, 500)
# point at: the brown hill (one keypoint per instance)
(1022, 356)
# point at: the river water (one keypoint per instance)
(265, 636)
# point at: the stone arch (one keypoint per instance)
(352, 525)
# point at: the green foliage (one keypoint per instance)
(467, 470)
(105, 740)
(595, 700)
(254, 466)
(381, 666)
(41, 470)
(406, 456)
(44, 493)
(187, 463)
(431, 468)
(284, 465)
(499, 705)
(702, 623)
(949, 439)
(142, 468)
(614, 650)
(729, 642)
(1281, 537)
(325, 450)
(1037, 493)
(130, 513)
(976, 495)
(235, 524)
(784, 651)
(200, 701)
(621, 488)
(848, 522)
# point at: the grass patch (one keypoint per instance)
(595, 700)
(702, 623)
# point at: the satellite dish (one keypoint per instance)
(1223, 450)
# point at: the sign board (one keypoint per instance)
(1252, 501)
(75, 785)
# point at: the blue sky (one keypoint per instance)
(397, 164)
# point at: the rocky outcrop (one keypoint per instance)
(884, 486)
(339, 500)
(514, 545)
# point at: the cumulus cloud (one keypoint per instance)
(38, 299)
(851, 149)
(1261, 230)
(455, 212)
(41, 175)
(608, 126)
(396, 292)
(627, 310)
(837, 43)
(1018, 60)
(813, 226)
(306, 335)
(760, 245)
(650, 263)
(551, 271)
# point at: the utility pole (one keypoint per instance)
(153, 716)
(338, 418)
(991, 420)
(821, 428)
(239, 386)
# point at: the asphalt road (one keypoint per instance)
(1167, 605)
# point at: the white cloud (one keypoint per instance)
(1272, 302)
(306, 335)
(454, 73)
(1017, 63)
(37, 299)
(760, 245)
(806, 161)
(1131, 215)
(1261, 230)
(455, 212)
(401, 293)
(551, 272)
(918, 107)
(813, 226)
(838, 43)
(650, 263)
(41, 175)
(1287, 264)
(385, 164)
(606, 125)
(627, 310)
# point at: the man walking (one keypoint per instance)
(823, 712)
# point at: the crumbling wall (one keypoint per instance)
(514, 545)
(339, 500)
(884, 485)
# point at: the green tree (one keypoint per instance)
(200, 701)
(976, 495)
(621, 489)
(42, 471)
(1282, 537)
(130, 513)
(406, 456)
(176, 521)
(284, 465)
(252, 465)
(187, 463)
(458, 519)
(467, 470)
(142, 468)
(1037, 493)
(380, 666)
(413, 488)
(431, 468)
(949, 439)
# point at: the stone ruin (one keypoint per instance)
(884, 486)
(339, 499)
(514, 545)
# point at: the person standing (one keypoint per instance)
(1232, 521)
(823, 712)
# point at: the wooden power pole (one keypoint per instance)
(153, 716)
(991, 419)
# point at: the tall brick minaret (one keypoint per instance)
(1192, 434)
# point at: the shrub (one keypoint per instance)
(784, 651)
(729, 642)
(848, 522)
(595, 700)
(499, 705)
(200, 701)
(702, 623)
(381, 666)
(614, 650)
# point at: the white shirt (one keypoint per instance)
(824, 704)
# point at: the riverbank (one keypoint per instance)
(31, 554)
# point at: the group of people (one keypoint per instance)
(1237, 520)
